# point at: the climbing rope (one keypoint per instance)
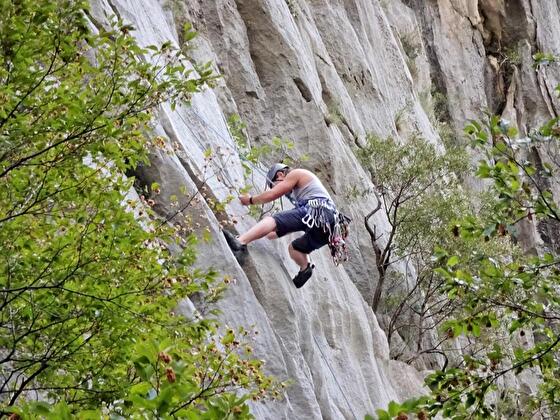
(337, 238)
(233, 146)
(334, 376)
(226, 139)
(221, 170)
(319, 214)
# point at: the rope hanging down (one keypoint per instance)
(221, 170)
(229, 143)
(227, 140)
(334, 376)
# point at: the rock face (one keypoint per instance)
(325, 73)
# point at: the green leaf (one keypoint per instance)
(453, 261)
(90, 414)
(41, 408)
(141, 389)
(382, 415)
(394, 409)
(228, 338)
(443, 272)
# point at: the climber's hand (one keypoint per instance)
(245, 199)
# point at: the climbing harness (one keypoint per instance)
(317, 216)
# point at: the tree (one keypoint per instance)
(418, 191)
(87, 285)
(513, 301)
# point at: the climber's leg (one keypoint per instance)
(302, 259)
(261, 229)
(299, 257)
(300, 249)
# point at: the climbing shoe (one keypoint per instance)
(239, 249)
(301, 278)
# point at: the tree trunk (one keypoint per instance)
(378, 290)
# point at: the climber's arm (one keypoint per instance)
(281, 188)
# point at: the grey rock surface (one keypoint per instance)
(325, 73)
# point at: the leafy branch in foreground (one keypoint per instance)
(419, 194)
(512, 302)
(85, 285)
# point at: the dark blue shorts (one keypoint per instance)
(290, 221)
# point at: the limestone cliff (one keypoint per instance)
(324, 73)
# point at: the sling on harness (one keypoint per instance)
(317, 217)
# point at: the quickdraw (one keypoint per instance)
(316, 215)
(337, 239)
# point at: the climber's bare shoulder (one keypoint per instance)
(300, 177)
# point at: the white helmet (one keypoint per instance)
(274, 169)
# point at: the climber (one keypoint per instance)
(314, 213)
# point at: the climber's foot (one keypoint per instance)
(301, 278)
(233, 242)
(239, 249)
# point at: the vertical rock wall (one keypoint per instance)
(325, 73)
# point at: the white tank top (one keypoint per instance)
(314, 189)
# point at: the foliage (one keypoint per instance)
(293, 7)
(418, 192)
(253, 155)
(175, 377)
(420, 196)
(334, 114)
(512, 55)
(87, 286)
(514, 301)
(411, 43)
(544, 59)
